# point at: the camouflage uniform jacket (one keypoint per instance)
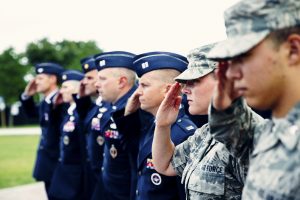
(207, 169)
(272, 147)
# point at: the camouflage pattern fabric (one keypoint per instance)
(273, 148)
(249, 21)
(207, 169)
(199, 65)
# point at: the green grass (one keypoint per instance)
(17, 156)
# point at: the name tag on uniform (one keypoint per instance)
(95, 125)
(213, 169)
(69, 126)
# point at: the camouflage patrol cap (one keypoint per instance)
(250, 21)
(199, 65)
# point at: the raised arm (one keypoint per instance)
(231, 121)
(162, 146)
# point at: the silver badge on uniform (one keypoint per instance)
(113, 126)
(102, 110)
(113, 151)
(95, 125)
(100, 115)
(72, 118)
(69, 127)
(46, 116)
(66, 140)
(156, 179)
(100, 140)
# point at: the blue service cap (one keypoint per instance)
(114, 59)
(73, 75)
(48, 68)
(88, 64)
(150, 61)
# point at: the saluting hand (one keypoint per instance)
(224, 92)
(30, 88)
(169, 107)
(81, 91)
(57, 100)
(133, 103)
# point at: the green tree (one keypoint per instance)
(14, 67)
(67, 53)
(12, 75)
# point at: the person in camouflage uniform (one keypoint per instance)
(207, 169)
(260, 60)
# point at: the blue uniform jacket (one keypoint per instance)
(118, 167)
(48, 149)
(67, 181)
(91, 113)
(150, 183)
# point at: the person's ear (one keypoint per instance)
(122, 82)
(53, 79)
(294, 49)
(168, 86)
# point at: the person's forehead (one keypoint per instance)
(65, 84)
(107, 72)
(151, 76)
(42, 75)
(91, 73)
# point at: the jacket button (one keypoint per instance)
(137, 192)
(140, 173)
(102, 168)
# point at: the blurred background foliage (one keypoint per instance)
(17, 68)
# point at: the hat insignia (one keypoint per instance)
(145, 65)
(102, 63)
(64, 77)
(40, 70)
(86, 66)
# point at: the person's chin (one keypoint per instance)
(144, 107)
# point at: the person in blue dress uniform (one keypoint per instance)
(46, 83)
(157, 71)
(90, 108)
(67, 181)
(116, 82)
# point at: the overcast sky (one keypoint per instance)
(132, 25)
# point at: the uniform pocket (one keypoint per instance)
(208, 179)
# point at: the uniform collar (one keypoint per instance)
(71, 109)
(122, 101)
(48, 98)
(99, 101)
(284, 130)
(289, 129)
